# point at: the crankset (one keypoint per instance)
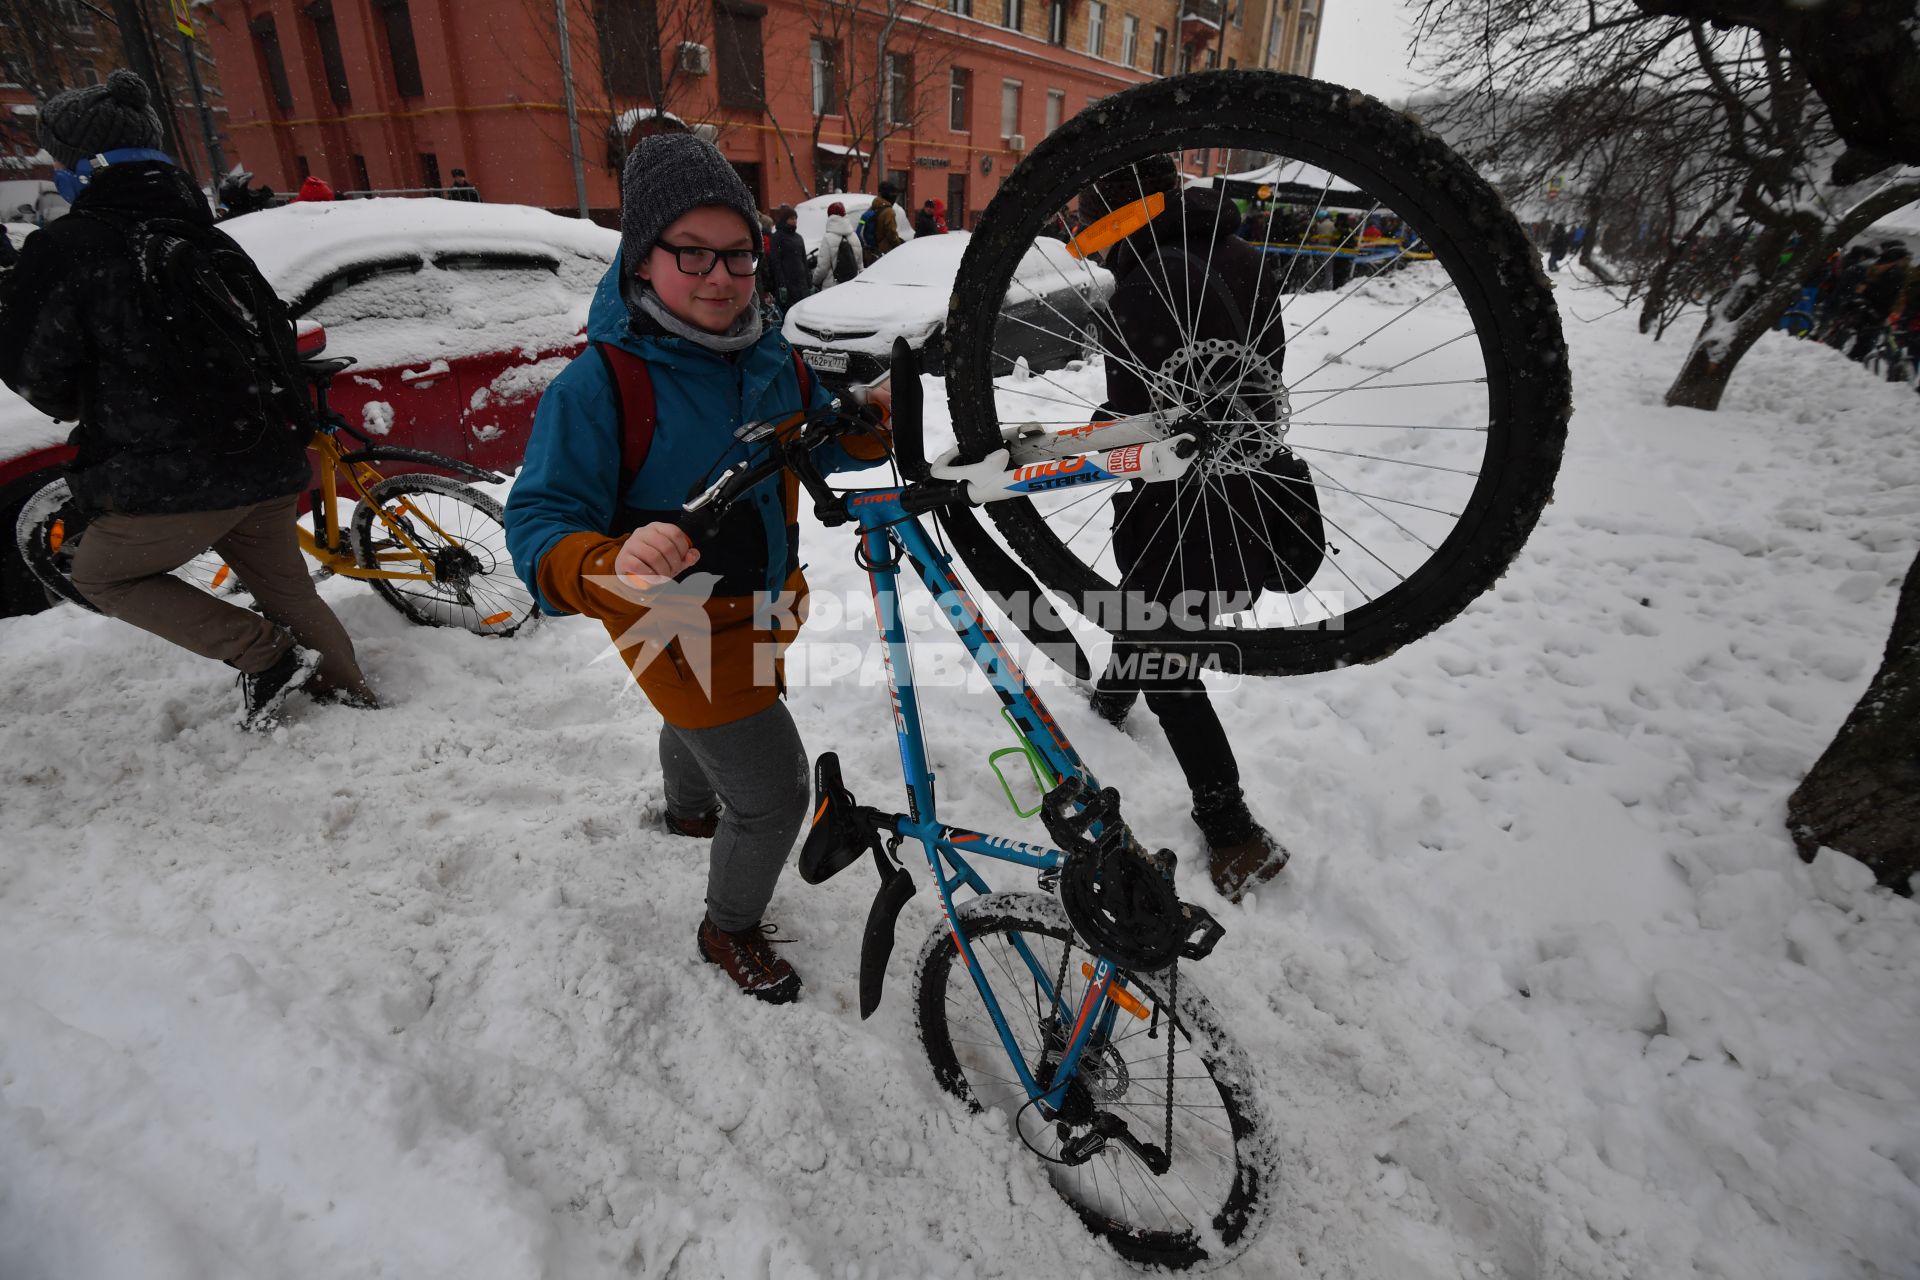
(1119, 898)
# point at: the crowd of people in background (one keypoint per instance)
(790, 271)
(1866, 295)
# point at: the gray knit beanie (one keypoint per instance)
(101, 117)
(665, 176)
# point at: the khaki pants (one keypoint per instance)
(125, 562)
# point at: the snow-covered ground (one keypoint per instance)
(1544, 992)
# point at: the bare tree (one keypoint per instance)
(629, 78)
(43, 53)
(1579, 81)
(879, 72)
(1766, 138)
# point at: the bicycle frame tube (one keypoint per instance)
(888, 533)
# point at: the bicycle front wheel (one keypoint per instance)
(450, 540)
(1211, 1201)
(1388, 327)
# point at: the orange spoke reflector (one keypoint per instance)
(1119, 995)
(56, 534)
(221, 577)
(492, 618)
(1117, 226)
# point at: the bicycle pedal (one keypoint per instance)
(837, 836)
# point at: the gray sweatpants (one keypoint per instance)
(756, 770)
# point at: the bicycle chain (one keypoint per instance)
(1173, 1024)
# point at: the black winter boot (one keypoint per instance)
(263, 693)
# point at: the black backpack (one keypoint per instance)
(222, 329)
(845, 265)
(1265, 529)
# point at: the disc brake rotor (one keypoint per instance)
(1235, 390)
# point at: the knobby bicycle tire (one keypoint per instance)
(1405, 169)
(474, 585)
(1244, 1203)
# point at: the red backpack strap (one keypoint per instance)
(633, 396)
(805, 375)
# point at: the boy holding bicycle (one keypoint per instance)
(680, 360)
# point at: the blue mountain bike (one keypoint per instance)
(1429, 403)
(1068, 1009)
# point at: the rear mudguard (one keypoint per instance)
(876, 947)
(439, 462)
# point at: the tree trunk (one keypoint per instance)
(1703, 378)
(1862, 797)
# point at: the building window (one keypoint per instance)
(1014, 15)
(90, 76)
(962, 7)
(1185, 61)
(1056, 108)
(736, 41)
(273, 67)
(899, 88)
(1273, 34)
(1239, 11)
(301, 168)
(1159, 51)
(629, 47)
(1057, 22)
(1009, 108)
(429, 171)
(956, 200)
(326, 34)
(1129, 39)
(901, 180)
(826, 58)
(961, 89)
(398, 20)
(361, 182)
(1096, 28)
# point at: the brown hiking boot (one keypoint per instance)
(750, 960)
(700, 828)
(1245, 863)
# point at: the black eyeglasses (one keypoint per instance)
(694, 260)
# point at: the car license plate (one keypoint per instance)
(825, 361)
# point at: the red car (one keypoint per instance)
(458, 314)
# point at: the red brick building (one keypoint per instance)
(393, 95)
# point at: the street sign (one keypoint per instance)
(182, 19)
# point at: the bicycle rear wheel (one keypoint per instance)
(455, 539)
(1424, 378)
(48, 531)
(1213, 1199)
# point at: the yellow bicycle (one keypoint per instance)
(433, 547)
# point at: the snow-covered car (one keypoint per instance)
(458, 314)
(845, 333)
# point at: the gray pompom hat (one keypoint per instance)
(665, 176)
(101, 117)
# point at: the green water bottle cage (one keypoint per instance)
(1043, 778)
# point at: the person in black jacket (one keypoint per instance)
(462, 189)
(792, 280)
(1190, 252)
(97, 325)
